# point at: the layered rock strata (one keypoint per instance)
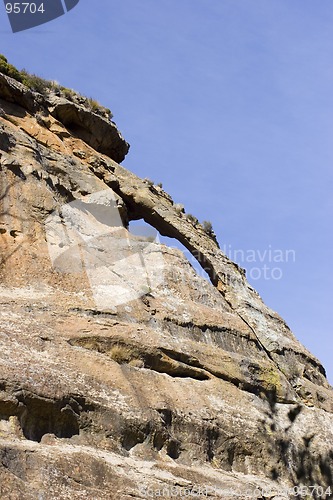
(124, 373)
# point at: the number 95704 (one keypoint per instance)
(24, 8)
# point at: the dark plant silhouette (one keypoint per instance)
(304, 466)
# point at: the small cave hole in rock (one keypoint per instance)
(17, 171)
(41, 416)
(132, 437)
(173, 449)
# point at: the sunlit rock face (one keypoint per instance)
(124, 374)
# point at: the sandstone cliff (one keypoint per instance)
(124, 374)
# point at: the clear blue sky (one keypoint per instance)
(229, 103)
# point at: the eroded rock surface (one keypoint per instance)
(124, 374)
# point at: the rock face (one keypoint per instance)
(124, 374)
(94, 128)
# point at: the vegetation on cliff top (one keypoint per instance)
(44, 87)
